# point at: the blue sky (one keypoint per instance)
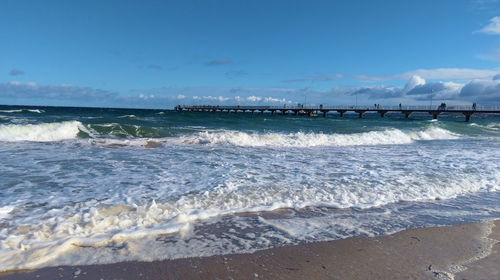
(156, 54)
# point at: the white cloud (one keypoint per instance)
(181, 96)
(273, 99)
(492, 28)
(213, 98)
(481, 90)
(146, 97)
(413, 82)
(418, 90)
(254, 98)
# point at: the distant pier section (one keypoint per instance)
(435, 111)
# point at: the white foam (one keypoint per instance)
(41, 132)
(300, 139)
(136, 142)
(23, 110)
(127, 116)
(5, 211)
(490, 126)
(434, 133)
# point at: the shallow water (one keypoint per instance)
(83, 186)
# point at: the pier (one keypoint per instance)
(435, 111)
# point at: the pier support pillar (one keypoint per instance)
(467, 116)
(407, 113)
(360, 113)
(341, 112)
(435, 114)
(283, 112)
(296, 112)
(272, 112)
(382, 113)
(252, 110)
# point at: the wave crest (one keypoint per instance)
(23, 110)
(300, 139)
(44, 132)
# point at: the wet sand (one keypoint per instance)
(470, 251)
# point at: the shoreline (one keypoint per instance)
(466, 251)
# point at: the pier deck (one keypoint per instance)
(435, 111)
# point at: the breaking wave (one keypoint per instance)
(490, 126)
(301, 139)
(23, 110)
(44, 132)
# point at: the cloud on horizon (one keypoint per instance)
(477, 90)
(416, 90)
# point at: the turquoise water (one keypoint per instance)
(83, 186)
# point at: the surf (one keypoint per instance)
(44, 132)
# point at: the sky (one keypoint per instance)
(157, 54)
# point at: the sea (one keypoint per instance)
(97, 185)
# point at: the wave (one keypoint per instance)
(300, 139)
(23, 110)
(127, 116)
(44, 132)
(125, 131)
(490, 126)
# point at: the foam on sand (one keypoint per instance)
(104, 227)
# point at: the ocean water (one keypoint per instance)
(86, 186)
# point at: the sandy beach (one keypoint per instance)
(469, 251)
